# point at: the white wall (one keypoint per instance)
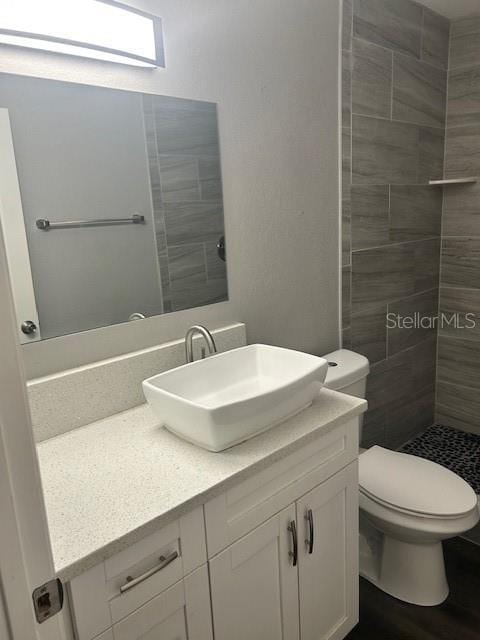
(272, 67)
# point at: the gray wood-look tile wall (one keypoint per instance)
(458, 369)
(395, 59)
(185, 175)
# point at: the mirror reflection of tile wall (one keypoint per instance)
(184, 163)
(84, 153)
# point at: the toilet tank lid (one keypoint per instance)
(346, 367)
(414, 484)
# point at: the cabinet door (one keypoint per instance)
(328, 570)
(254, 584)
(179, 613)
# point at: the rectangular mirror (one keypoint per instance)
(111, 203)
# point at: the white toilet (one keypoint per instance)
(408, 505)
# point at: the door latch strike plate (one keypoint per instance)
(48, 600)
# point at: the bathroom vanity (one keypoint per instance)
(156, 538)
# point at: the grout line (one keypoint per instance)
(462, 67)
(400, 53)
(389, 232)
(350, 288)
(374, 307)
(389, 209)
(469, 237)
(456, 288)
(407, 350)
(455, 384)
(168, 266)
(387, 330)
(422, 36)
(452, 127)
(341, 186)
(395, 244)
(366, 185)
(186, 244)
(391, 119)
(350, 276)
(391, 86)
(207, 277)
(351, 25)
(464, 337)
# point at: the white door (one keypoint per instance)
(13, 223)
(182, 612)
(254, 584)
(328, 561)
(25, 553)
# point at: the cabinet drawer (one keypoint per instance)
(121, 584)
(239, 510)
(181, 612)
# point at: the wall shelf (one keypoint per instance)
(446, 182)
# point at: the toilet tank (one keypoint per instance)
(347, 372)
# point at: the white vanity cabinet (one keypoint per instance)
(295, 576)
(275, 556)
(283, 546)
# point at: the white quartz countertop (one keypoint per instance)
(110, 483)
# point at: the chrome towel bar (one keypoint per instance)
(46, 225)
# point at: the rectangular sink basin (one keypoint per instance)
(230, 397)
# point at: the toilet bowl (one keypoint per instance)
(408, 505)
(413, 504)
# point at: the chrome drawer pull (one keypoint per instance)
(309, 540)
(132, 582)
(293, 554)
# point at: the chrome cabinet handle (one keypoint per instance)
(309, 540)
(164, 562)
(292, 527)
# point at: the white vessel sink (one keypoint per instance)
(230, 397)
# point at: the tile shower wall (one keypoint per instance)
(395, 57)
(458, 371)
(184, 161)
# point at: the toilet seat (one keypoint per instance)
(413, 485)
(412, 514)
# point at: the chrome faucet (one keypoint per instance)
(205, 333)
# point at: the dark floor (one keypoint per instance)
(474, 536)
(458, 618)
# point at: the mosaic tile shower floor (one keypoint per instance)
(456, 450)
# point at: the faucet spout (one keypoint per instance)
(206, 335)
